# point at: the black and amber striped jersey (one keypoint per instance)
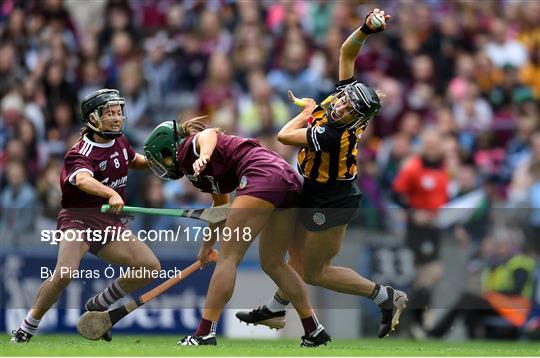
(331, 152)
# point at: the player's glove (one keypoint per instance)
(365, 29)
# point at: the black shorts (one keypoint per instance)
(328, 205)
(424, 241)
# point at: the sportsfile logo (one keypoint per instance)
(117, 233)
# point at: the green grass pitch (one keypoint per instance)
(72, 345)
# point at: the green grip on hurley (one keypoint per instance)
(149, 211)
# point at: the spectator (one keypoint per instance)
(525, 192)
(58, 89)
(522, 178)
(263, 113)
(122, 51)
(218, 95)
(19, 205)
(213, 38)
(294, 75)
(118, 18)
(394, 107)
(133, 88)
(11, 71)
(507, 281)
(92, 79)
(49, 192)
(518, 148)
(503, 51)
(421, 186)
(11, 113)
(391, 156)
(191, 63)
(530, 73)
(472, 112)
(158, 69)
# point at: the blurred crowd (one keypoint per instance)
(468, 70)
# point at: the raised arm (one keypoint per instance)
(294, 132)
(206, 143)
(351, 46)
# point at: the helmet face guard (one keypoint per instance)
(96, 103)
(159, 168)
(362, 104)
(161, 143)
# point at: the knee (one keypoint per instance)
(270, 265)
(312, 276)
(153, 265)
(61, 278)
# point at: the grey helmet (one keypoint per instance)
(94, 104)
(365, 103)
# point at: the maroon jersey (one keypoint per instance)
(106, 162)
(238, 163)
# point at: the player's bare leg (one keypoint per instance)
(133, 254)
(273, 313)
(276, 239)
(231, 253)
(223, 279)
(70, 254)
(318, 252)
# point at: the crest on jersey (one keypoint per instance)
(320, 130)
(319, 218)
(103, 165)
(243, 182)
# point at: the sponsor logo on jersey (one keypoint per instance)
(243, 182)
(119, 182)
(319, 218)
(103, 165)
(114, 155)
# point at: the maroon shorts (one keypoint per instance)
(102, 226)
(280, 200)
(267, 176)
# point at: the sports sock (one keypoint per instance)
(379, 294)
(310, 324)
(206, 328)
(109, 296)
(277, 304)
(30, 324)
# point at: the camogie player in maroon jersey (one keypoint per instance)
(267, 198)
(94, 173)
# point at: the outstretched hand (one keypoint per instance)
(368, 26)
(200, 164)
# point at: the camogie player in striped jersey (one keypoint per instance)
(327, 135)
(94, 173)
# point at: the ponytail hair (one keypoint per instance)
(85, 131)
(191, 126)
